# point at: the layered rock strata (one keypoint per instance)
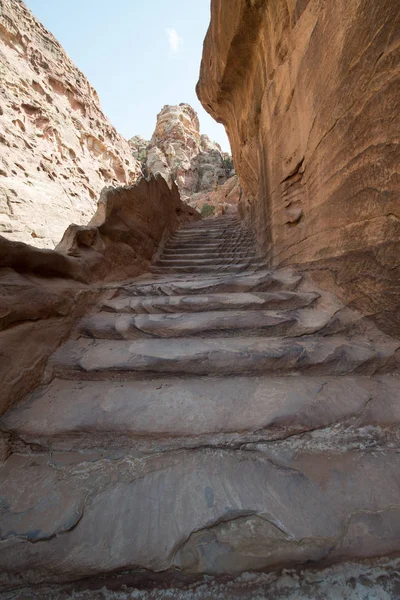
(180, 153)
(309, 94)
(57, 148)
(210, 417)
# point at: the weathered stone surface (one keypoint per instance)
(225, 198)
(241, 301)
(209, 355)
(36, 315)
(120, 240)
(375, 580)
(129, 225)
(309, 95)
(179, 153)
(43, 291)
(218, 323)
(211, 451)
(173, 412)
(216, 511)
(58, 150)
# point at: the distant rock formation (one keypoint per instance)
(180, 153)
(57, 149)
(224, 198)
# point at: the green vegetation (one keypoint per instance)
(207, 210)
(228, 164)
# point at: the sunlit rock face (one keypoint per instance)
(57, 148)
(309, 93)
(180, 153)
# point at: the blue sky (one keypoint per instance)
(138, 54)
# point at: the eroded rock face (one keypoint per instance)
(57, 148)
(180, 153)
(223, 199)
(43, 291)
(309, 94)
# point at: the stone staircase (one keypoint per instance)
(211, 417)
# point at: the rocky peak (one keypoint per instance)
(177, 127)
(179, 152)
(57, 148)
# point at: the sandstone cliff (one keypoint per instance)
(180, 153)
(57, 149)
(43, 291)
(309, 94)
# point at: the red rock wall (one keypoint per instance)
(309, 93)
(57, 148)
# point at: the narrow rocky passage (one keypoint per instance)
(213, 416)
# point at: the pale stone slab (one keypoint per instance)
(319, 355)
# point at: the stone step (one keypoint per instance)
(125, 326)
(181, 285)
(196, 262)
(208, 244)
(221, 228)
(213, 230)
(220, 222)
(88, 358)
(234, 238)
(225, 232)
(194, 512)
(210, 237)
(210, 247)
(234, 268)
(195, 303)
(173, 254)
(155, 415)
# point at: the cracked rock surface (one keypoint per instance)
(207, 422)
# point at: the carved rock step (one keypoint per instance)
(172, 413)
(192, 248)
(314, 355)
(217, 224)
(200, 511)
(217, 240)
(220, 240)
(123, 326)
(227, 245)
(213, 231)
(234, 268)
(171, 285)
(173, 254)
(206, 262)
(209, 237)
(196, 303)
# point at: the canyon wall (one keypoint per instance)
(309, 93)
(180, 153)
(43, 291)
(57, 149)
